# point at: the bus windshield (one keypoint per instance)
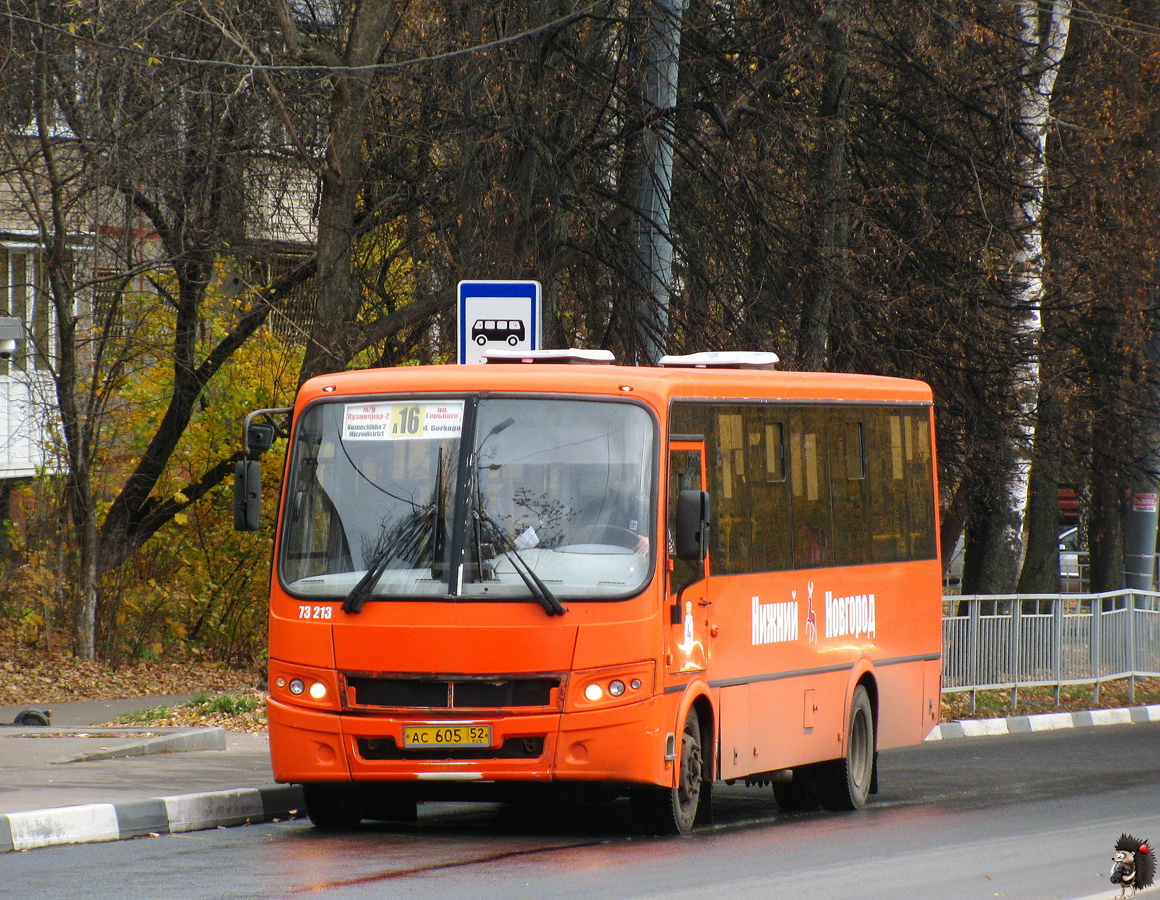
(384, 496)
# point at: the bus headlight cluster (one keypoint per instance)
(618, 685)
(297, 687)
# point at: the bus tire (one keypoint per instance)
(846, 783)
(675, 810)
(334, 807)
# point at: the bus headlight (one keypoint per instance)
(314, 688)
(612, 686)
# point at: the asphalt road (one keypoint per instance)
(1026, 816)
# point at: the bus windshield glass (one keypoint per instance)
(386, 497)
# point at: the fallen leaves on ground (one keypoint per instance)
(244, 712)
(32, 679)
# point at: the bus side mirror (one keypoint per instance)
(260, 437)
(247, 495)
(257, 438)
(692, 526)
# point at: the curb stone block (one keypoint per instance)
(137, 818)
(67, 825)
(192, 812)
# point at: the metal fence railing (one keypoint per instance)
(1012, 641)
(1074, 574)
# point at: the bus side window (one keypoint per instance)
(810, 479)
(848, 487)
(887, 500)
(732, 527)
(769, 493)
(920, 487)
(684, 475)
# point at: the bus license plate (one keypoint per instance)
(447, 736)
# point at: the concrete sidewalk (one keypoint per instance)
(72, 783)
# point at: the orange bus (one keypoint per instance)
(615, 581)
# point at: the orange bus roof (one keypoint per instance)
(657, 384)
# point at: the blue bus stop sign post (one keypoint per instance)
(497, 314)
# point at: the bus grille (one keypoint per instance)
(416, 693)
(513, 748)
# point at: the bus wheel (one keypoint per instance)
(674, 810)
(846, 782)
(800, 794)
(334, 807)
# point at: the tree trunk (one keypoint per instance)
(1105, 535)
(1006, 544)
(338, 296)
(832, 186)
(1040, 573)
(65, 363)
(975, 540)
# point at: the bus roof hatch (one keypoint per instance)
(574, 356)
(735, 359)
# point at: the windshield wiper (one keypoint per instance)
(535, 585)
(353, 603)
(406, 540)
(538, 589)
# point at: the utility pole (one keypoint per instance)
(653, 243)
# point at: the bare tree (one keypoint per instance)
(115, 162)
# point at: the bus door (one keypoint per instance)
(689, 607)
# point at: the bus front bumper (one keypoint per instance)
(618, 745)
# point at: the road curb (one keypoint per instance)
(142, 742)
(969, 728)
(166, 815)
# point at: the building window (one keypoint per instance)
(22, 295)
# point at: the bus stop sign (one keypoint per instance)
(497, 314)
